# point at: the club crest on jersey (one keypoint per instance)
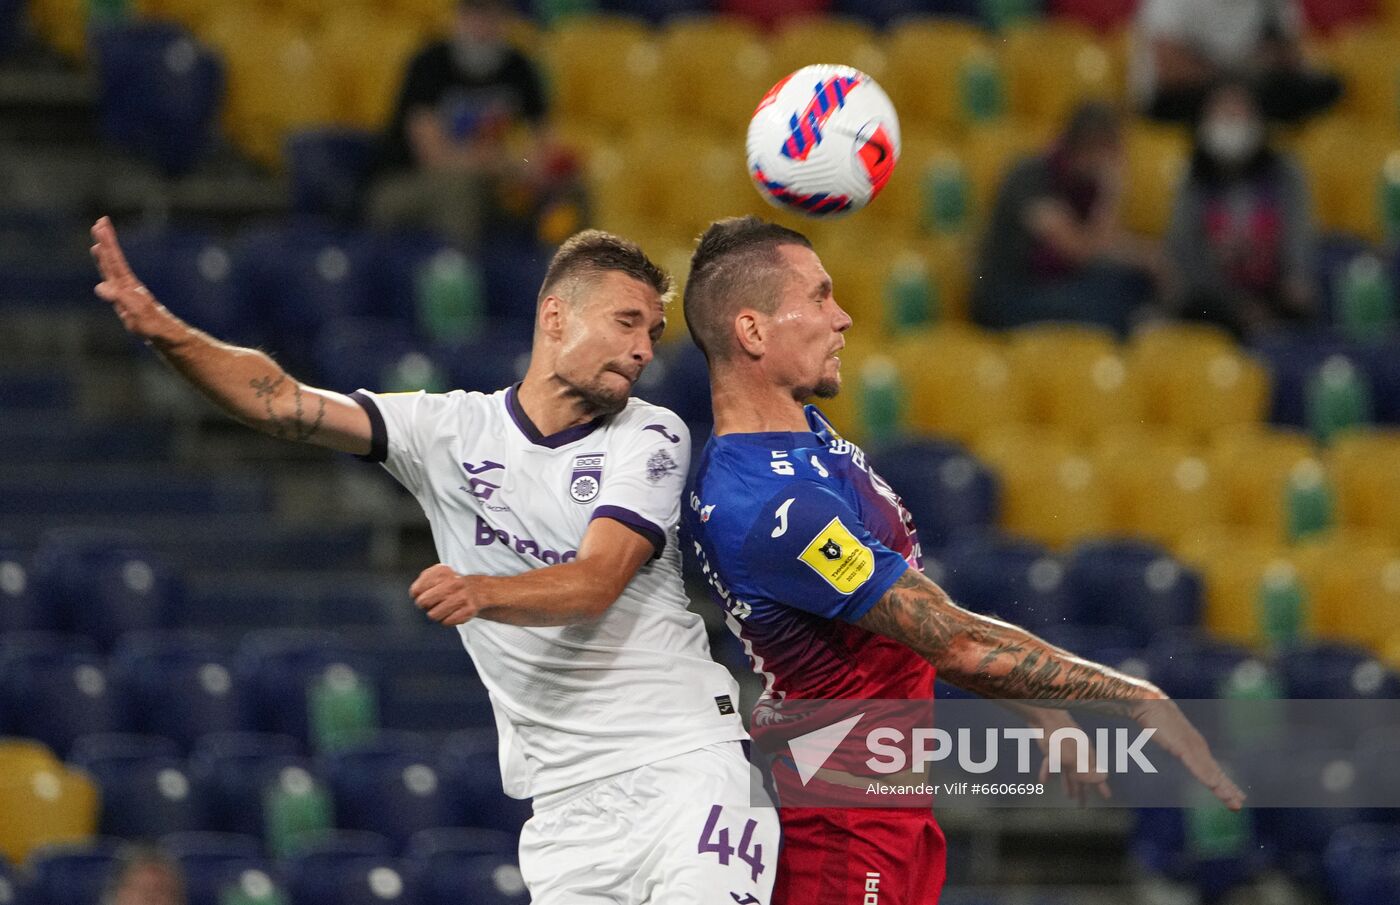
(839, 558)
(587, 478)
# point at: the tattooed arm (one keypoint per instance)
(998, 660)
(245, 383)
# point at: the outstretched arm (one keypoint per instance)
(998, 660)
(608, 558)
(245, 383)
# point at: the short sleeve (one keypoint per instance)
(809, 550)
(401, 429)
(643, 479)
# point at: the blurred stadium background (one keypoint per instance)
(205, 636)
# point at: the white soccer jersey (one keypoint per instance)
(579, 702)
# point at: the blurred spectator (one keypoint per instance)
(1056, 248)
(1183, 46)
(464, 148)
(146, 877)
(1241, 237)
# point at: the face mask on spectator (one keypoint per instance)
(1231, 140)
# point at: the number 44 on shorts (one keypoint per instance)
(749, 852)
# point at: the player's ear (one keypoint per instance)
(550, 319)
(749, 332)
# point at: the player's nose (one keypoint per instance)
(842, 321)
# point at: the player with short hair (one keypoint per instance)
(554, 506)
(817, 565)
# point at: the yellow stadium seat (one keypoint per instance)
(859, 265)
(1195, 379)
(62, 24)
(714, 183)
(1348, 164)
(1051, 67)
(638, 187)
(960, 383)
(715, 70)
(1157, 159)
(1163, 494)
(826, 39)
(1050, 491)
(22, 755)
(903, 199)
(925, 67)
(190, 13)
(844, 411)
(949, 263)
(1255, 465)
(1075, 377)
(1366, 60)
(46, 805)
(988, 152)
(1233, 570)
(1363, 465)
(1353, 589)
(367, 55)
(604, 73)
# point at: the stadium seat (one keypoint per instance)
(1349, 168)
(1075, 378)
(459, 842)
(1016, 580)
(1083, 71)
(76, 872)
(1193, 380)
(1160, 490)
(325, 876)
(942, 485)
(354, 353)
(1362, 465)
(594, 60)
(715, 69)
(192, 273)
(235, 770)
(953, 55)
(1133, 585)
(1299, 836)
(159, 92)
(54, 694)
(366, 52)
(882, 13)
(1335, 671)
(20, 756)
(1158, 158)
(426, 681)
(1236, 571)
(1365, 60)
(494, 878)
(328, 169)
(469, 768)
(1191, 666)
(1255, 468)
(672, 379)
(989, 151)
(1294, 358)
(1358, 862)
(283, 667)
(1353, 587)
(212, 862)
(1380, 357)
(512, 271)
(389, 785)
(1204, 848)
(404, 264)
(144, 794)
(58, 804)
(13, 889)
(179, 685)
(960, 383)
(103, 584)
(1050, 491)
(821, 39)
(19, 603)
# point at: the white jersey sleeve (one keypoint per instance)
(642, 487)
(404, 426)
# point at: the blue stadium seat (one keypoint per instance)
(494, 879)
(354, 353)
(944, 487)
(1299, 836)
(1360, 863)
(469, 767)
(885, 12)
(1326, 671)
(20, 609)
(55, 693)
(159, 91)
(426, 680)
(1159, 843)
(36, 391)
(302, 274)
(248, 602)
(132, 491)
(494, 360)
(1382, 361)
(214, 861)
(73, 874)
(460, 842)
(1292, 357)
(328, 169)
(281, 665)
(179, 684)
(1334, 252)
(103, 584)
(1016, 580)
(678, 379)
(1107, 644)
(235, 775)
(56, 439)
(511, 273)
(192, 274)
(14, 890)
(657, 11)
(389, 785)
(324, 876)
(1134, 585)
(1190, 666)
(102, 746)
(144, 794)
(399, 262)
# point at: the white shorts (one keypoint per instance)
(681, 831)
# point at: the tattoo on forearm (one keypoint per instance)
(267, 386)
(267, 389)
(1014, 664)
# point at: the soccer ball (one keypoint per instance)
(823, 141)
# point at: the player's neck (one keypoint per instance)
(741, 407)
(551, 408)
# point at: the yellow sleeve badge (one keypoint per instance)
(835, 554)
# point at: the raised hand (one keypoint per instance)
(139, 311)
(1176, 734)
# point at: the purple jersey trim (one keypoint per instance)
(553, 441)
(638, 523)
(378, 433)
